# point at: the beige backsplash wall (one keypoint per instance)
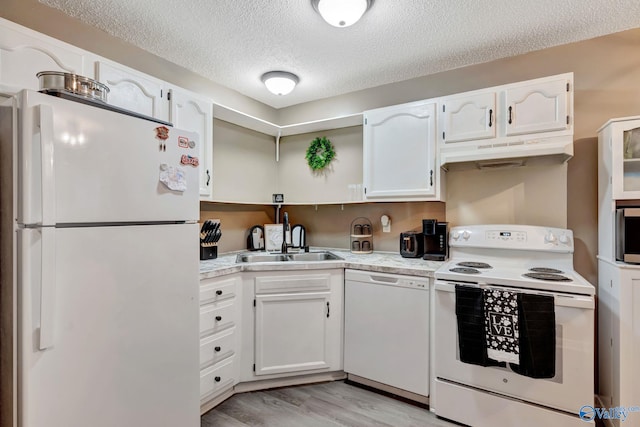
(535, 194)
(329, 225)
(326, 225)
(235, 221)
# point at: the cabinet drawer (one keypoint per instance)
(217, 378)
(217, 290)
(293, 283)
(217, 317)
(218, 347)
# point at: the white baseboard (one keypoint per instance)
(389, 389)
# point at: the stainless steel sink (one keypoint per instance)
(314, 256)
(302, 256)
(262, 257)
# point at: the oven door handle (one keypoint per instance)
(574, 301)
(560, 300)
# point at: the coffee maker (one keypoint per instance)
(436, 236)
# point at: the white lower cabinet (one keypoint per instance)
(292, 332)
(295, 323)
(619, 337)
(216, 379)
(219, 337)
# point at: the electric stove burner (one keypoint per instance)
(545, 270)
(551, 277)
(473, 264)
(464, 270)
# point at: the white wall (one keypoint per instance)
(300, 184)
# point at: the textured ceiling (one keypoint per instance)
(233, 42)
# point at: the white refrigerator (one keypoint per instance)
(100, 267)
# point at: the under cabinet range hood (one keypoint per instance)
(508, 154)
(506, 126)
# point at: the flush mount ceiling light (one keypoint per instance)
(280, 82)
(341, 13)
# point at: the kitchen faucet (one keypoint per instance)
(285, 226)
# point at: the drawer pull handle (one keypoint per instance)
(217, 379)
(218, 292)
(218, 318)
(217, 349)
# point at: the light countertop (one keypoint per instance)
(382, 262)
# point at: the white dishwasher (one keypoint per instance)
(386, 323)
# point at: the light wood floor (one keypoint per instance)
(330, 404)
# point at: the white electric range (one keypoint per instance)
(525, 260)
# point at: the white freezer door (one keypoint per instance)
(83, 164)
(119, 310)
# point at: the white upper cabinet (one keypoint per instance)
(469, 116)
(537, 107)
(195, 114)
(503, 125)
(24, 53)
(133, 90)
(399, 152)
(619, 160)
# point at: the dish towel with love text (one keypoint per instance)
(501, 325)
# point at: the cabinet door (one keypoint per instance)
(469, 117)
(633, 358)
(537, 107)
(292, 332)
(621, 141)
(22, 56)
(629, 333)
(133, 91)
(608, 339)
(194, 114)
(399, 151)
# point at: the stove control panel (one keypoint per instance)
(518, 236)
(526, 237)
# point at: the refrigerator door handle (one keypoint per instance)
(47, 287)
(48, 184)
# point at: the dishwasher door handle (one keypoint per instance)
(383, 279)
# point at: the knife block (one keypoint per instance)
(209, 235)
(210, 252)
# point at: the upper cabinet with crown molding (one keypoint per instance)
(517, 121)
(133, 90)
(399, 161)
(191, 112)
(24, 53)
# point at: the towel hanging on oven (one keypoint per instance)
(472, 340)
(501, 325)
(537, 332)
(537, 322)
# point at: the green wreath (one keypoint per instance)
(320, 153)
